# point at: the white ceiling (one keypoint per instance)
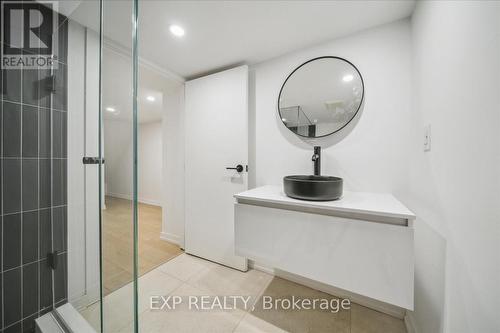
(221, 34)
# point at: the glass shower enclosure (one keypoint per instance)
(57, 257)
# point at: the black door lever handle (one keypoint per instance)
(239, 168)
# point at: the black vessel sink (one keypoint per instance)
(313, 188)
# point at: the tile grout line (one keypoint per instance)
(36, 106)
(30, 263)
(52, 271)
(170, 293)
(1, 205)
(38, 198)
(259, 295)
(31, 158)
(34, 210)
(21, 197)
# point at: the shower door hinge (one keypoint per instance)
(52, 259)
(93, 160)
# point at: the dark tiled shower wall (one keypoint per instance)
(33, 198)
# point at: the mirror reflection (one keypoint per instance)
(321, 96)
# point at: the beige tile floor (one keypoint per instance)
(118, 242)
(186, 275)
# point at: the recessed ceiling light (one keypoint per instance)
(150, 98)
(110, 109)
(283, 119)
(177, 30)
(347, 78)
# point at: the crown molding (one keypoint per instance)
(127, 53)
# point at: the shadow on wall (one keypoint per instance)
(252, 144)
(430, 265)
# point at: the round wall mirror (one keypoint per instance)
(321, 96)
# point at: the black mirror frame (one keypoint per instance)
(305, 63)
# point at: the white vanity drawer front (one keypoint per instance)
(367, 258)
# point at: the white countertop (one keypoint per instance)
(379, 204)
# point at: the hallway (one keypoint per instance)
(117, 242)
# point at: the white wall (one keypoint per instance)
(151, 163)
(373, 156)
(118, 148)
(455, 188)
(118, 155)
(173, 164)
(371, 153)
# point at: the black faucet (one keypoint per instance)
(316, 158)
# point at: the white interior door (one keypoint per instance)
(216, 125)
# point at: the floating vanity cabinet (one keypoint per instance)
(362, 243)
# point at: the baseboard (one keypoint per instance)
(389, 309)
(149, 202)
(128, 197)
(410, 322)
(172, 238)
(118, 195)
(260, 267)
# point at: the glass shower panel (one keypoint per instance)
(81, 74)
(100, 68)
(67, 151)
(118, 147)
(50, 162)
